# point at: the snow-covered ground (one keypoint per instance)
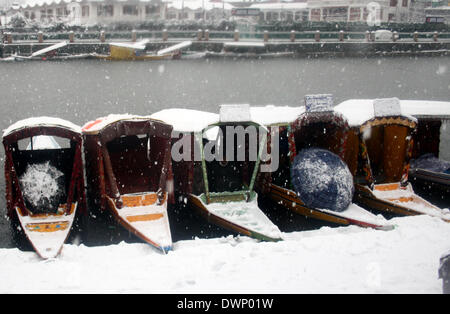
(328, 260)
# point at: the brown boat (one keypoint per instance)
(318, 129)
(128, 168)
(220, 189)
(44, 181)
(379, 150)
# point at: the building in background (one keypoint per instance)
(90, 12)
(438, 12)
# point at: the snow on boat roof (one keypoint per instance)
(358, 111)
(129, 45)
(41, 121)
(243, 44)
(271, 115)
(426, 108)
(100, 123)
(186, 120)
(181, 45)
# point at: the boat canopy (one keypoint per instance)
(40, 126)
(322, 129)
(66, 160)
(381, 139)
(186, 120)
(359, 111)
(132, 151)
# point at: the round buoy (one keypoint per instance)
(322, 180)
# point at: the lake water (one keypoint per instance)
(83, 90)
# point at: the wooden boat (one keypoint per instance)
(380, 148)
(136, 51)
(44, 181)
(430, 164)
(309, 128)
(128, 168)
(246, 50)
(220, 189)
(49, 53)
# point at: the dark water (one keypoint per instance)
(80, 91)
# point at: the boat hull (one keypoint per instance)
(47, 233)
(213, 217)
(290, 200)
(132, 58)
(402, 206)
(142, 216)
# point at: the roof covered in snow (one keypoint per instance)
(199, 4)
(358, 111)
(279, 5)
(41, 121)
(271, 115)
(40, 3)
(186, 120)
(100, 123)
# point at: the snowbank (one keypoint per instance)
(328, 260)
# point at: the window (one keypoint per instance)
(171, 15)
(151, 9)
(355, 14)
(105, 10)
(315, 14)
(289, 16)
(393, 3)
(85, 11)
(198, 15)
(130, 10)
(404, 3)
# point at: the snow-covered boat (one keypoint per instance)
(214, 173)
(246, 50)
(304, 129)
(380, 146)
(44, 181)
(128, 168)
(137, 51)
(430, 164)
(49, 53)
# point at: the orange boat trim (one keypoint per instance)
(147, 217)
(387, 187)
(139, 200)
(47, 227)
(402, 199)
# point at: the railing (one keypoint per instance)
(206, 35)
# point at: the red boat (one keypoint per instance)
(129, 170)
(44, 181)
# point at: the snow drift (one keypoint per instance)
(328, 260)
